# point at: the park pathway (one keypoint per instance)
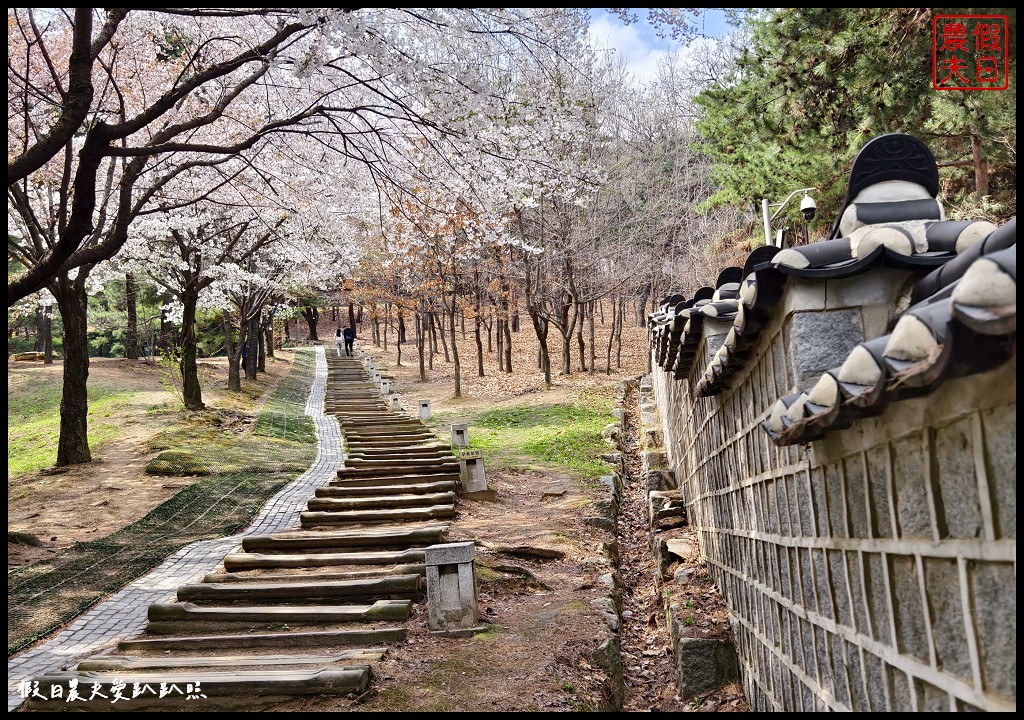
(303, 602)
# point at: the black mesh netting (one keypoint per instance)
(45, 595)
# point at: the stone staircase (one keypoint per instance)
(300, 613)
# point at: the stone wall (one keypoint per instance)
(871, 570)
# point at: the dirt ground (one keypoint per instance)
(60, 507)
(543, 615)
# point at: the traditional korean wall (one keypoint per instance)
(872, 570)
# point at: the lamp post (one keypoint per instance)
(807, 206)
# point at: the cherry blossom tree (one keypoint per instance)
(170, 91)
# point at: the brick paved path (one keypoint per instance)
(123, 615)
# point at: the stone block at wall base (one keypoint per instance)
(656, 460)
(608, 657)
(702, 664)
(666, 509)
(659, 480)
(486, 495)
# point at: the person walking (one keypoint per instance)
(350, 338)
(337, 341)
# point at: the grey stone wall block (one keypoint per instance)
(879, 465)
(819, 341)
(945, 608)
(908, 606)
(999, 428)
(877, 597)
(993, 592)
(911, 473)
(954, 452)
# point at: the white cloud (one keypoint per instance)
(637, 52)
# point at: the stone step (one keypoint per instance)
(412, 464)
(443, 486)
(399, 425)
(178, 618)
(304, 574)
(388, 443)
(196, 690)
(407, 439)
(252, 561)
(394, 587)
(397, 456)
(376, 420)
(383, 480)
(434, 512)
(110, 663)
(354, 637)
(429, 535)
(364, 469)
(357, 452)
(379, 502)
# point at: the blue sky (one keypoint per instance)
(638, 44)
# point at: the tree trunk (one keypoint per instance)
(440, 334)
(618, 334)
(261, 348)
(501, 344)
(268, 339)
(455, 352)
(593, 343)
(40, 322)
(421, 337)
(234, 351)
(131, 301)
(47, 335)
(387, 322)
(566, 329)
(540, 326)
(311, 315)
(432, 337)
(401, 338)
(581, 346)
(252, 330)
(73, 441)
(980, 165)
(352, 316)
(641, 305)
(508, 347)
(191, 391)
(166, 333)
(611, 334)
(479, 348)
(490, 336)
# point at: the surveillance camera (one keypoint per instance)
(808, 207)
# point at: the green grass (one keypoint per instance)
(563, 436)
(33, 424)
(241, 468)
